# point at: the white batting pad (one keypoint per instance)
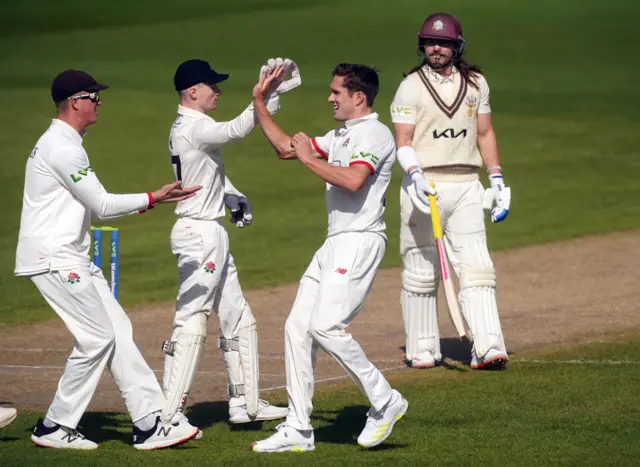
(248, 348)
(478, 298)
(419, 302)
(187, 351)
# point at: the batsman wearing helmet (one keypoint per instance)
(443, 131)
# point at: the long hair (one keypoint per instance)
(467, 70)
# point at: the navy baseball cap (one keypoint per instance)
(69, 82)
(196, 71)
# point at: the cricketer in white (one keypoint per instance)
(61, 193)
(208, 275)
(359, 159)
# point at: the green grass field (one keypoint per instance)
(565, 107)
(565, 110)
(575, 406)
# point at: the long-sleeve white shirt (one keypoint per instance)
(195, 145)
(61, 191)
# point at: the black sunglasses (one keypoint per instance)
(93, 97)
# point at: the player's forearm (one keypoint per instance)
(280, 141)
(488, 146)
(117, 216)
(343, 177)
(116, 205)
(221, 133)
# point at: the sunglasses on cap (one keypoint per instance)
(93, 97)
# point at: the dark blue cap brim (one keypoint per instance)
(219, 78)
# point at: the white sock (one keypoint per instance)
(48, 423)
(148, 422)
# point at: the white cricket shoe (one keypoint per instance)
(493, 360)
(286, 439)
(7, 415)
(266, 411)
(164, 435)
(180, 416)
(380, 424)
(60, 437)
(424, 360)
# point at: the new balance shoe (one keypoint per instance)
(164, 435)
(179, 416)
(60, 437)
(266, 411)
(492, 360)
(380, 424)
(7, 415)
(286, 439)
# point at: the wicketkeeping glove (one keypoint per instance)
(291, 68)
(240, 209)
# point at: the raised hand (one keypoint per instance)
(268, 82)
(173, 192)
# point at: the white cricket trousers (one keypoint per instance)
(202, 250)
(103, 336)
(331, 294)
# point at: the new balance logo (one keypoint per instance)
(164, 431)
(341, 271)
(69, 437)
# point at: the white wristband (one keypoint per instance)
(407, 158)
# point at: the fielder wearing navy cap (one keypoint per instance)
(69, 82)
(196, 71)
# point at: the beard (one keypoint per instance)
(439, 64)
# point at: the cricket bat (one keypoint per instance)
(449, 291)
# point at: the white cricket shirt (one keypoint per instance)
(61, 191)
(360, 141)
(195, 145)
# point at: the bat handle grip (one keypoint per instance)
(435, 215)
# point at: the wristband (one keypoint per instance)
(497, 181)
(407, 158)
(149, 206)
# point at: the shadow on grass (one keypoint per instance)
(206, 414)
(346, 427)
(456, 353)
(106, 426)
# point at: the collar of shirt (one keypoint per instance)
(438, 78)
(355, 121)
(192, 113)
(64, 126)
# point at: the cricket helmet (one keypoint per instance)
(442, 26)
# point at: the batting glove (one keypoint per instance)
(419, 191)
(240, 209)
(502, 197)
